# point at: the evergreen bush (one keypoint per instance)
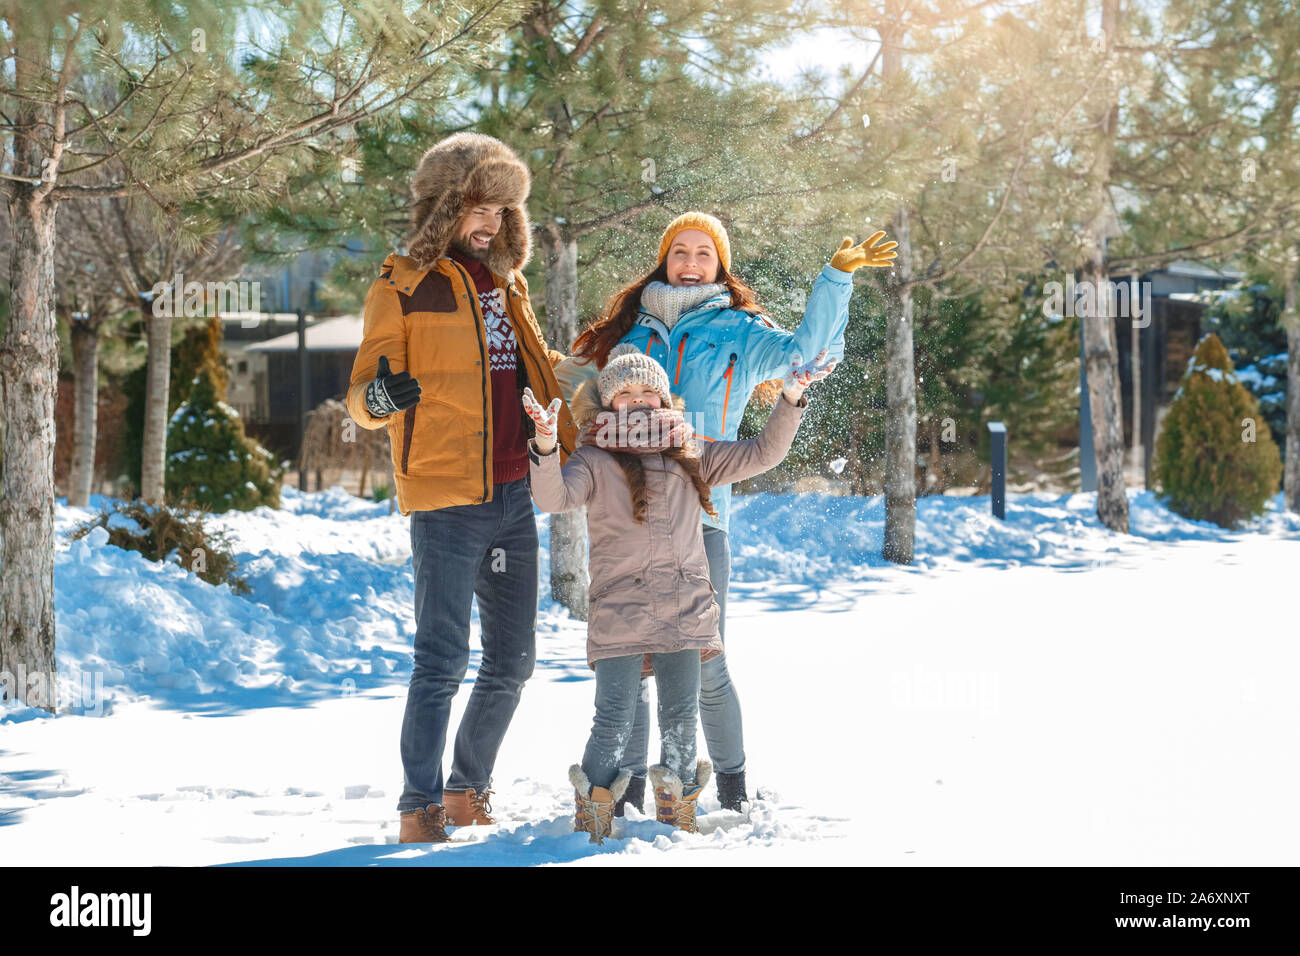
(211, 462)
(1216, 459)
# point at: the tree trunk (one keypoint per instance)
(1101, 358)
(29, 357)
(1291, 318)
(569, 579)
(154, 452)
(900, 378)
(936, 459)
(85, 363)
(900, 407)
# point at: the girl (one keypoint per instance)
(644, 481)
(703, 323)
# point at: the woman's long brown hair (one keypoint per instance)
(632, 467)
(619, 315)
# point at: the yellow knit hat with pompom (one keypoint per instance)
(705, 223)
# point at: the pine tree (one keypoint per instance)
(1249, 323)
(202, 109)
(956, 122)
(1215, 156)
(1214, 459)
(211, 462)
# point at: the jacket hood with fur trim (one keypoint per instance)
(464, 170)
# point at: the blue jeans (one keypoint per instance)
(618, 683)
(719, 703)
(488, 551)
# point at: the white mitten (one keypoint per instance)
(546, 421)
(799, 376)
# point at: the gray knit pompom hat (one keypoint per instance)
(628, 364)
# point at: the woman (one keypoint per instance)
(702, 323)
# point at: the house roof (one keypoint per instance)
(232, 317)
(1196, 269)
(340, 334)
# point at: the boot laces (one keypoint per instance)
(684, 811)
(431, 821)
(679, 812)
(480, 802)
(599, 815)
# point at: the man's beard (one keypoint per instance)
(463, 247)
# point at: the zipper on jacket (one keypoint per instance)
(731, 368)
(681, 347)
(482, 349)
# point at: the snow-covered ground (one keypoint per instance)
(1034, 691)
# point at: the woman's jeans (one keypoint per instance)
(719, 703)
(618, 685)
(488, 551)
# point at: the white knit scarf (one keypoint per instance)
(668, 302)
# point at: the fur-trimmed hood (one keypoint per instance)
(464, 170)
(586, 403)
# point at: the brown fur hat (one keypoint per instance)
(462, 171)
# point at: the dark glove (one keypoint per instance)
(390, 393)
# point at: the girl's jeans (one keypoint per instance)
(618, 682)
(719, 703)
(488, 551)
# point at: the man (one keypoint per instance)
(450, 341)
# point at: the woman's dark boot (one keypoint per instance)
(731, 790)
(635, 795)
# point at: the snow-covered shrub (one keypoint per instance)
(211, 462)
(1266, 380)
(169, 534)
(1215, 458)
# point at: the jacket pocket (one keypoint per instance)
(435, 442)
(618, 617)
(700, 612)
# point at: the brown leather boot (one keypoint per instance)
(468, 808)
(595, 805)
(424, 826)
(672, 806)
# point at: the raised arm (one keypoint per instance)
(557, 488)
(723, 462)
(769, 349)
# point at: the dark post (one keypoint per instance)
(1087, 453)
(998, 434)
(1150, 345)
(304, 381)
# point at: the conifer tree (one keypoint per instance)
(1215, 458)
(211, 462)
(208, 100)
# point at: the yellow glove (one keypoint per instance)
(849, 257)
